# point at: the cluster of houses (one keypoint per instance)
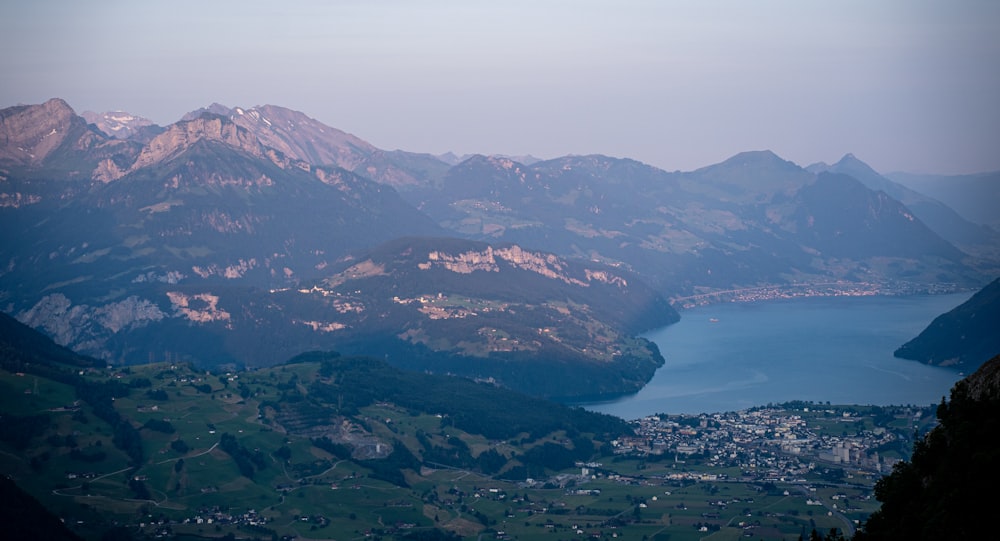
(819, 289)
(217, 516)
(763, 443)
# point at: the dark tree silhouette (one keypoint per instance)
(942, 492)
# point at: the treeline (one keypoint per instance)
(338, 450)
(18, 430)
(943, 491)
(389, 469)
(348, 384)
(100, 396)
(553, 371)
(534, 461)
(159, 425)
(22, 349)
(247, 461)
(458, 455)
(476, 408)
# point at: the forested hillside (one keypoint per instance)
(940, 492)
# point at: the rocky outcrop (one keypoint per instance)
(51, 137)
(308, 140)
(489, 259)
(181, 136)
(30, 133)
(85, 328)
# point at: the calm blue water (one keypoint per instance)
(836, 349)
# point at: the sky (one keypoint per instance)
(905, 85)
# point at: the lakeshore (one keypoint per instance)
(738, 355)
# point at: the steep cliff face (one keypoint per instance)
(490, 259)
(30, 134)
(182, 135)
(50, 140)
(300, 137)
(114, 247)
(87, 327)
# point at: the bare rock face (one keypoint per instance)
(107, 170)
(51, 137)
(29, 134)
(86, 327)
(300, 137)
(547, 265)
(180, 136)
(303, 138)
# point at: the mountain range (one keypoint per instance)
(973, 235)
(245, 236)
(973, 196)
(754, 219)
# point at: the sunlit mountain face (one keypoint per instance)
(244, 236)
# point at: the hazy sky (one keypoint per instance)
(904, 85)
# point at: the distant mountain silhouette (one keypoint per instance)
(973, 238)
(975, 196)
(747, 221)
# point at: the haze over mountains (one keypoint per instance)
(245, 236)
(977, 234)
(975, 196)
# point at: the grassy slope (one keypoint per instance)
(298, 488)
(294, 494)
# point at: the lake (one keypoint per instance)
(728, 357)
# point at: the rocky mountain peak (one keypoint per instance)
(758, 158)
(30, 133)
(215, 109)
(295, 134)
(303, 138)
(180, 136)
(761, 173)
(850, 164)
